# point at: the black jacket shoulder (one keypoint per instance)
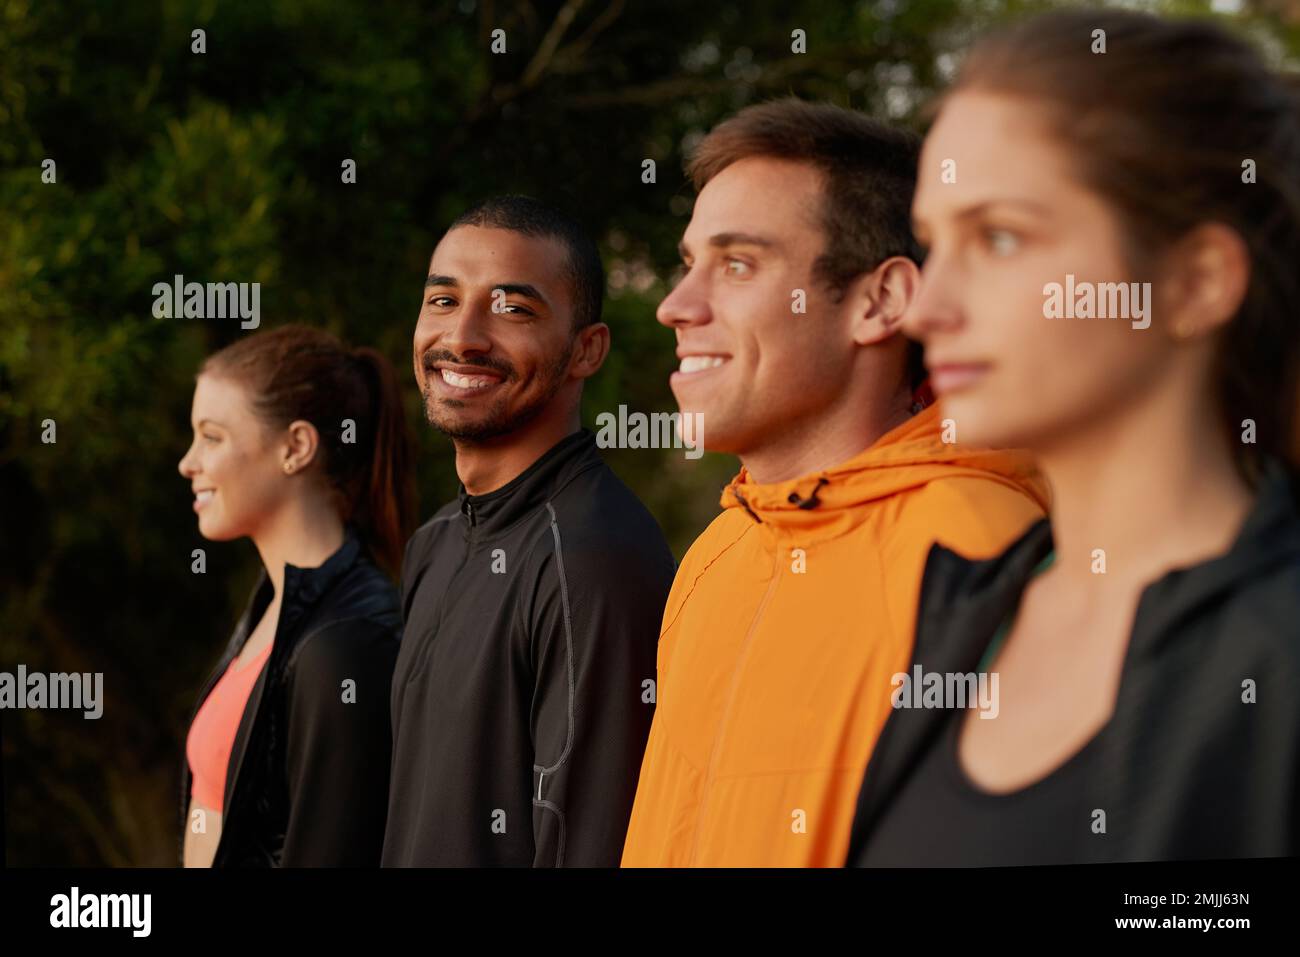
(1201, 756)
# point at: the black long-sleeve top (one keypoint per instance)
(523, 693)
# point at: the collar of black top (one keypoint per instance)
(532, 488)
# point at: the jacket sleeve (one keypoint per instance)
(594, 630)
(339, 745)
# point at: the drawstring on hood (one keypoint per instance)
(745, 505)
(812, 501)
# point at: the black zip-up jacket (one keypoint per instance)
(523, 693)
(1185, 769)
(307, 783)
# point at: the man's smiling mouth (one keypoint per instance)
(692, 364)
(467, 382)
(453, 378)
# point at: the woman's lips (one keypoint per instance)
(950, 377)
(201, 499)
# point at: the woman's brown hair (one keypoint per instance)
(299, 373)
(1161, 125)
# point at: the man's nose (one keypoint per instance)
(467, 332)
(686, 305)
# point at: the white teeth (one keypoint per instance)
(203, 496)
(467, 381)
(700, 363)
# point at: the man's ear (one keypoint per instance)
(879, 299)
(590, 350)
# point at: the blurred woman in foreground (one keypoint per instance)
(1113, 282)
(299, 444)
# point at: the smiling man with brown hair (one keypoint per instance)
(792, 612)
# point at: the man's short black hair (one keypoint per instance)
(523, 214)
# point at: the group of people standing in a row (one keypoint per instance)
(547, 689)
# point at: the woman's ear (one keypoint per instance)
(1207, 277)
(301, 443)
(881, 297)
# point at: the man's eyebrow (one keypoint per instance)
(527, 290)
(722, 240)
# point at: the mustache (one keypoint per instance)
(434, 356)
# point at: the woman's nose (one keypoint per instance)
(934, 307)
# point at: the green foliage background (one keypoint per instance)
(225, 166)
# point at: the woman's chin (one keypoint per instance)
(215, 531)
(968, 421)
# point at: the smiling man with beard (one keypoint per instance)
(532, 602)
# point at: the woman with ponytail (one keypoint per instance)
(1111, 206)
(300, 445)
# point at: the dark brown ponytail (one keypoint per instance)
(1161, 125)
(386, 503)
(352, 398)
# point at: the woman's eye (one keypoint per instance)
(1002, 242)
(207, 437)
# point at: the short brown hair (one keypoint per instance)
(869, 176)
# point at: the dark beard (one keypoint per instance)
(500, 419)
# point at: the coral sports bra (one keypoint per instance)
(212, 735)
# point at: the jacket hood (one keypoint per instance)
(905, 458)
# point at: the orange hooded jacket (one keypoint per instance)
(785, 624)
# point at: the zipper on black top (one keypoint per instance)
(449, 589)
